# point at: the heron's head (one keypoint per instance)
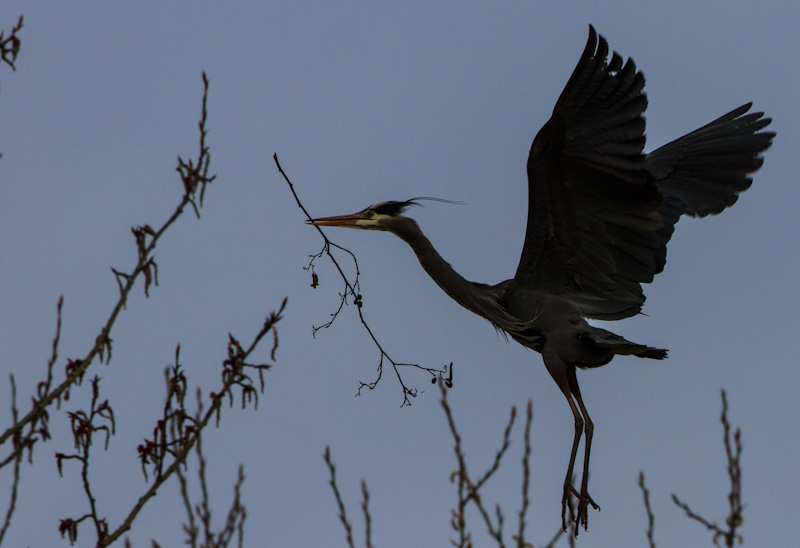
(375, 217)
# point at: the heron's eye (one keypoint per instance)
(369, 214)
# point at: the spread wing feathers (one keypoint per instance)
(598, 117)
(703, 172)
(595, 230)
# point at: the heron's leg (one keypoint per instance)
(583, 498)
(559, 370)
(566, 498)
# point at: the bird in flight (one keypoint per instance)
(600, 214)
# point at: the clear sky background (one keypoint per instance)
(365, 103)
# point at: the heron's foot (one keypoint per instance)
(566, 502)
(584, 500)
(581, 517)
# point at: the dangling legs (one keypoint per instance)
(583, 497)
(566, 498)
(559, 370)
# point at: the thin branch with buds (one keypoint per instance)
(177, 433)
(194, 175)
(85, 425)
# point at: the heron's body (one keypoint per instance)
(600, 214)
(531, 317)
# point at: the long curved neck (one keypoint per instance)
(468, 294)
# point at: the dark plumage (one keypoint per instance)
(600, 215)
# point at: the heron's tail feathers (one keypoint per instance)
(652, 353)
(616, 345)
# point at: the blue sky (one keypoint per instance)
(365, 103)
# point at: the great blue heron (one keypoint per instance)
(600, 214)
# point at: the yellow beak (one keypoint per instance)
(341, 220)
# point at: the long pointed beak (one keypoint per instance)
(340, 220)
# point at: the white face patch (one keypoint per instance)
(370, 224)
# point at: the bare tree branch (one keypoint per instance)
(237, 514)
(17, 459)
(650, 518)
(526, 476)
(468, 489)
(348, 528)
(367, 517)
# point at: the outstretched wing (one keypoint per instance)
(595, 229)
(704, 172)
(600, 212)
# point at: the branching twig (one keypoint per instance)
(468, 489)
(39, 428)
(99, 419)
(733, 452)
(348, 528)
(353, 290)
(237, 514)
